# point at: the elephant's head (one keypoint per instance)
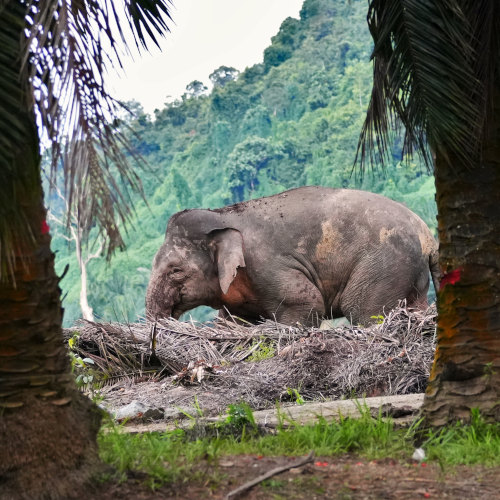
(195, 265)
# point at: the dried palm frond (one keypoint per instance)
(53, 60)
(393, 357)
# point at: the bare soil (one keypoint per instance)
(345, 477)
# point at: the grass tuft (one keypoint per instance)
(477, 443)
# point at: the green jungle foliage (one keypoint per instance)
(292, 120)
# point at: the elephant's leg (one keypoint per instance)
(417, 296)
(300, 301)
(371, 293)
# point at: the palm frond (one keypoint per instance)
(484, 19)
(426, 76)
(71, 46)
(150, 16)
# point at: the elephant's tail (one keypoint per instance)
(434, 268)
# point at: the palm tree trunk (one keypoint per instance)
(466, 370)
(47, 428)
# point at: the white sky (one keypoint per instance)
(206, 34)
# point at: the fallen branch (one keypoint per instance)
(278, 470)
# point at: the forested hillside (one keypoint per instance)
(292, 120)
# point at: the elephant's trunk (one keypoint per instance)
(160, 300)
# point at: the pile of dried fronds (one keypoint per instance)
(169, 346)
(393, 357)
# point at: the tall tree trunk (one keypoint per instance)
(87, 312)
(466, 370)
(47, 428)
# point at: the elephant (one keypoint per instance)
(300, 256)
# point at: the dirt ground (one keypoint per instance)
(344, 477)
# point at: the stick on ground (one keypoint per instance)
(271, 473)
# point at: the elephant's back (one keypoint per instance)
(309, 212)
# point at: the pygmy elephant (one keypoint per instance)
(299, 256)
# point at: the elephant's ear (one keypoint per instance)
(228, 245)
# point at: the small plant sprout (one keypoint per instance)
(379, 319)
(240, 415)
(87, 374)
(295, 394)
(265, 350)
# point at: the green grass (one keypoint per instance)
(477, 443)
(173, 456)
(266, 350)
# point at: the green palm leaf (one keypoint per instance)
(430, 73)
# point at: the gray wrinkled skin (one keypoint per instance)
(299, 256)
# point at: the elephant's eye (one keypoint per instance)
(176, 273)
